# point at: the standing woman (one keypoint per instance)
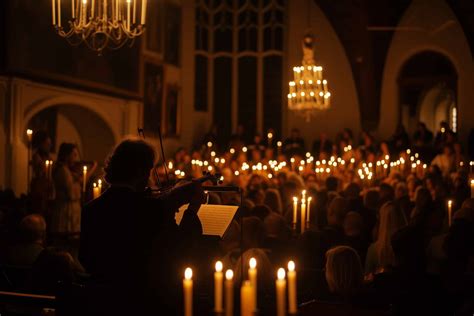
(66, 218)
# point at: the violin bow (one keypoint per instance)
(163, 154)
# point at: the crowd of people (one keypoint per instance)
(381, 234)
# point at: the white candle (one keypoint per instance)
(128, 14)
(292, 301)
(143, 12)
(53, 6)
(472, 189)
(281, 292)
(99, 185)
(229, 293)
(218, 279)
(450, 212)
(247, 299)
(95, 191)
(59, 13)
(253, 276)
(295, 210)
(92, 8)
(46, 163)
(303, 215)
(188, 292)
(84, 178)
(73, 8)
(134, 11)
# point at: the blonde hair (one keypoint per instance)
(391, 220)
(344, 273)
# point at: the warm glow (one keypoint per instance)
(295, 199)
(253, 263)
(209, 144)
(84, 169)
(279, 144)
(244, 149)
(219, 266)
(95, 185)
(270, 135)
(291, 266)
(188, 274)
(29, 132)
(450, 203)
(309, 199)
(281, 274)
(229, 274)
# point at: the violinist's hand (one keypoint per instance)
(198, 196)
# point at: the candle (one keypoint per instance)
(281, 292)
(95, 191)
(450, 211)
(472, 189)
(128, 14)
(229, 293)
(143, 12)
(99, 185)
(247, 299)
(295, 210)
(218, 278)
(308, 210)
(84, 178)
(53, 6)
(303, 195)
(253, 276)
(188, 292)
(134, 11)
(46, 163)
(292, 301)
(92, 8)
(59, 13)
(303, 215)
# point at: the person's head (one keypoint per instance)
(391, 221)
(353, 224)
(337, 211)
(252, 232)
(33, 229)
(273, 200)
(261, 211)
(344, 273)
(423, 202)
(352, 191)
(447, 150)
(386, 193)
(41, 141)
(275, 226)
(130, 164)
(68, 154)
(371, 199)
(332, 183)
(401, 190)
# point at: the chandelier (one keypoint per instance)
(101, 24)
(308, 91)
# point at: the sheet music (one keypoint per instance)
(214, 218)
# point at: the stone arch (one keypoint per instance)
(427, 17)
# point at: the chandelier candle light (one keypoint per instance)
(101, 23)
(309, 90)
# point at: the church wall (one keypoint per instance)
(434, 27)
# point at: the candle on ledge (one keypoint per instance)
(95, 191)
(295, 210)
(303, 215)
(281, 292)
(472, 189)
(247, 299)
(229, 293)
(188, 292)
(218, 279)
(292, 301)
(253, 276)
(450, 212)
(308, 219)
(84, 178)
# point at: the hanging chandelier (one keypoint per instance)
(101, 24)
(308, 90)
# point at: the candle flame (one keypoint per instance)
(229, 274)
(309, 199)
(291, 265)
(29, 132)
(295, 199)
(218, 266)
(472, 182)
(450, 202)
(188, 274)
(85, 169)
(95, 185)
(253, 263)
(281, 274)
(279, 144)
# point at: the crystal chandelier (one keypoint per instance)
(101, 23)
(308, 91)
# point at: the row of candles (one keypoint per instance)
(305, 208)
(248, 291)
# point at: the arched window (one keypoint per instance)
(239, 60)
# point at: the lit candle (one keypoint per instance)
(308, 210)
(59, 13)
(281, 292)
(143, 12)
(84, 178)
(73, 8)
(292, 301)
(95, 191)
(46, 163)
(472, 189)
(188, 292)
(53, 6)
(450, 212)
(295, 210)
(247, 299)
(218, 278)
(128, 14)
(92, 8)
(229, 293)
(99, 185)
(303, 195)
(253, 276)
(134, 11)
(303, 215)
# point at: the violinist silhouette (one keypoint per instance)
(130, 242)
